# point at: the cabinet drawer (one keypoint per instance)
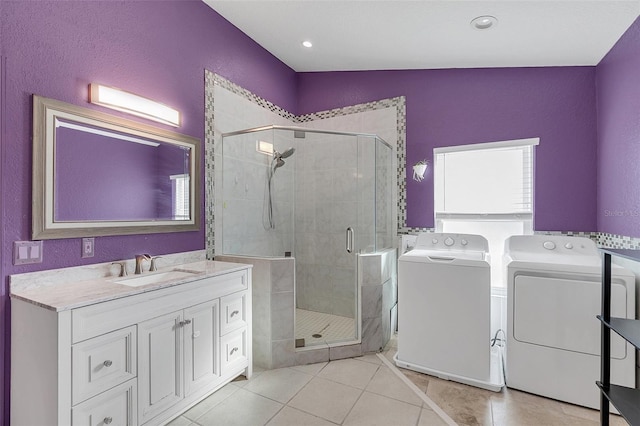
(114, 407)
(102, 363)
(234, 350)
(233, 311)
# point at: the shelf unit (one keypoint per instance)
(626, 400)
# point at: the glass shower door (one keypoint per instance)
(328, 194)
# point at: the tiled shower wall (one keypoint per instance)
(246, 229)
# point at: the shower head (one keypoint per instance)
(288, 153)
(279, 162)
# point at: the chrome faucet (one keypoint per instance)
(153, 266)
(139, 259)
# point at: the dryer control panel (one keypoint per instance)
(547, 244)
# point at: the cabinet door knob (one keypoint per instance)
(187, 321)
(234, 313)
(196, 334)
(107, 420)
(108, 363)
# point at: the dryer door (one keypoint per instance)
(561, 313)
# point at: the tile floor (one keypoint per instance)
(365, 391)
(331, 328)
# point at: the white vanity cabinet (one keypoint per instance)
(136, 360)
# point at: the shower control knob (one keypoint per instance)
(464, 242)
(434, 241)
(449, 241)
(549, 245)
(569, 246)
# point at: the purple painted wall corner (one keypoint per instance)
(618, 103)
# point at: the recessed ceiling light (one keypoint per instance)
(307, 43)
(484, 22)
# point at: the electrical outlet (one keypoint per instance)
(87, 247)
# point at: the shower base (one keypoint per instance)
(320, 328)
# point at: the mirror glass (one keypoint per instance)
(96, 174)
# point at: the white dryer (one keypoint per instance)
(553, 336)
(444, 310)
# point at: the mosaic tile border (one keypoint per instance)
(212, 79)
(613, 241)
(209, 161)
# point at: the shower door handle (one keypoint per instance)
(349, 240)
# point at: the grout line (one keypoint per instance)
(444, 416)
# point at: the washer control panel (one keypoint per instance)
(447, 241)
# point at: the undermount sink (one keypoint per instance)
(154, 278)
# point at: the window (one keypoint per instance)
(486, 189)
(180, 196)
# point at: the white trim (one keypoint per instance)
(484, 216)
(516, 143)
(81, 128)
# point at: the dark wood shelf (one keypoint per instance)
(626, 401)
(628, 329)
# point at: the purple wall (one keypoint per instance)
(463, 106)
(157, 49)
(618, 93)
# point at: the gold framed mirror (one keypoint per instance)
(95, 174)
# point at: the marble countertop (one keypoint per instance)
(70, 294)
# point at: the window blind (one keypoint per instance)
(180, 189)
(485, 179)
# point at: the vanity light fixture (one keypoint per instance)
(484, 22)
(131, 103)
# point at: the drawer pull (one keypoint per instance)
(233, 350)
(185, 322)
(108, 363)
(107, 420)
(234, 313)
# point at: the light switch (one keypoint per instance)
(25, 252)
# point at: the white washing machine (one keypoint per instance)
(553, 336)
(444, 310)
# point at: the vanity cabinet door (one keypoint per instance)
(201, 331)
(159, 364)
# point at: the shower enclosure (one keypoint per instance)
(323, 198)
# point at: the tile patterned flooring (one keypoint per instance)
(331, 327)
(364, 391)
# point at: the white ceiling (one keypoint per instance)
(426, 34)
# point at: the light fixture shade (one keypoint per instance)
(418, 170)
(131, 103)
